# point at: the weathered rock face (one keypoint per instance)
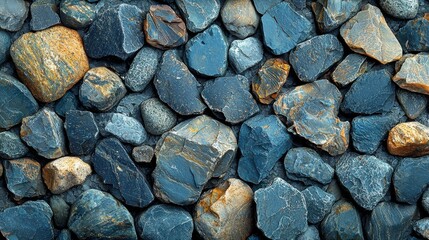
(353, 66)
(189, 155)
(82, 132)
(240, 17)
(13, 14)
(331, 14)
(77, 14)
(11, 146)
(412, 103)
(410, 179)
(414, 36)
(225, 212)
(143, 69)
(44, 14)
(422, 227)
(199, 14)
(50, 62)
(319, 203)
(410, 139)
(60, 210)
(403, 9)
(368, 33)
(311, 111)
(244, 54)
(126, 129)
(414, 74)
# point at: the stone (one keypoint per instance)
(343, 222)
(82, 132)
(330, 15)
(65, 104)
(163, 28)
(311, 112)
(128, 184)
(281, 211)
(310, 234)
(378, 42)
(373, 92)
(126, 129)
(60, 210)
(157, 117)
(425, 200)
(143, 154)
(24, 178)
(13, 14)
(16, 101)
(77, 14)
(199, 14)
(283, 28)
(64, 173)
(44, 14)
(390, 220)
(5, 42)
(50, 62)
(31, 220)
(64, 235)
(177, 87)
(410, 139)
(142, 69)
(5, 202)
(305, 165)
(189, 155)
(412, 103)
(44, 132)
(130, 104)
(366, 177)
(11, 146)
(422, 227)
(414, 36)
(410, 179)
(403, 9)
(97, 214)
(262, 6)
(271, 78)
(312, 58)
(319, 203)
(164, 221)
(206, 53)
(229, 100)
(240, 17)
(101, 89)
(348, 70)
(116, 31)
(413, 74)
(244, 54)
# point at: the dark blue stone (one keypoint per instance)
(130, 104)
(5, 201)
(143, 69)
(5, 42)
(77, 14)
(13, 14)
(310, 234)
(263, 6)
(319, 203)
(412, 103)
(199, 14)
(11, 146)
(67, 103)
(60, 210)
(411, 179)
(44, 14)
(422, 227)
(82, 132)
(330, 14)
(350, 68)
(414, 36)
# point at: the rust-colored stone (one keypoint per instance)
(410, 139)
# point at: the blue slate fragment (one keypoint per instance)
(60, 210)
(11, 146)
(413, 103)
(13, 14)
(199, 14)
(77, 14)
(422, 227)
(330, 14)
(126, 129)
(319, 203)
(414, 36)
(5, 42)
(350, 68)
(410, 179)
(82, 132)
(244, 54)
(44, 14)
(66, 103)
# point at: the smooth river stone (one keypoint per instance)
(414, 74)
(410, 139)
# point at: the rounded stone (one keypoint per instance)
(157, 117)
(143, 153)
(408, 139)
(403, 9)
(240, 17)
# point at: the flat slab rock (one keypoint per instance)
(414, 74)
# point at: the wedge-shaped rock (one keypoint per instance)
(410, 139)
(331, 14)
(414, 74)
(414, 36)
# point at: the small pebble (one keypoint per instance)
(240, 17)
(245, 54)
(157, 117)
(126, 129)
(142, 69)
(143, 154)
(130, 104)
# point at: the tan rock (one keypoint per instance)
(240, 17)
(414, 74)
(410, 139)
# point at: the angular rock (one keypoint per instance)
(352, 67)
(126, 129)
(60, 210)
(414, 74)
(319, 203)
(410, 139)
(157, 117)
(143, 154)
(189, 155)
(410, 179)
(142, 69)
(13, 14)
(11, 146)
(44, 14)
(414, 36)
(65, 104)
(412, 103)
(199, 14)
(245, 54)
(403, 9)
(77, 14)
(378, 42)
(310, 234)
(240, 17)
(130, 104)
(331, 14)
(5, 42)
(281, 210)
(50, 62)
(425, 200)
(82, 132)
(422, 227)
(5, 202)
(262, 6)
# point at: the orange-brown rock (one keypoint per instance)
(410, 139)
(50, 62)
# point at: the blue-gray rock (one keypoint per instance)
(143, 154)
(412, 103)
(229, 100)
(5, 201)
(101, 119)
(126, 129)
(77, 14)
(165, 222)
(283, 28)
(206, 53)
(245, 54)
(44, 132)
(281, 211)
(115, 32)
(65, 104)
(82, 132)
(403, 9)
(44, 14)
(64, 235)
(425, 200)
(305, 165)
(157, 117)
(239, 17)
(310, 234)
(199, 14)
(414, 36)
(60, 210)
(31, 220)
(16, 101)
(189, 155)
(97, 215)
(93, 181)
(331, 14)
(5, 42)
(263, 6)
(422, 227)
(319, 203)
(373, 92)
(130, 104)
(352, 67)
(410, 179)
(390, 221)
(13, 14)
(177, 87)
(312, 58)
(142, 69)
(11, 146)
(366, 177)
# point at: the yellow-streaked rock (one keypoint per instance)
(410, 139)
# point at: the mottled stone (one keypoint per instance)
(60, 210)
(245, 54)
(5, 42)
(143, 154)
(50, 62)
(44, 14)
(77, 14)
(142, 69)
(97, 214)
(408, 139)
(403, 9)
(412, 103)
(281, 210)
(414, 74)
(240, 17)
(126, 129)
(319, 203)
(189, 155)
(414, 36)
(65, 104)
(331, 14)
(13, 14)
(157, 117)
(352, 67)
(82, 132)
(422, 227)
(410, 179)
(11, 146)
(199, 14)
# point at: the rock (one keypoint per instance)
(403, 9)
(425, 200)
(414, 73)
(262, 6)
(390, 221)
(378, 42)
(330, 15)
(412, 103)
(130, 104)
(128, 184)
(410, 179)
(126, 129)
(422, 227)
(352, 67)
(77, 14)
(24, 178)
(44, 132)
(229, 100)
(281, 210)
(319, 203)
(311, 112)
(16, 101)
(5, 42)
(142, 69)
(143, 154)
(343, 222)
(414, 36)
(1, 174)
(305, 165)
(312, 58)
(240, 17)
(50, 62)
(44, 14)
(11, 146)
(97, 214)
(283, 28)
(271, 78)
(177, 87)
(64, 235)
(101, 89)
(310, 234)
(245, 54)
(410, 139)
(65, 104)
(116, 31)
(199, 14)
(31, 220)
(206, 53)
(165, 222)
(82, 132)
(13, 14)
(60, 210)
(157, 117)
(178, 177)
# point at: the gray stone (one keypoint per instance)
(130, 104)
(44, 14)
(82, 132)
(60, 210)
(126, 129)
(199, 14)
(13, 14)
(414, 36)
(143, 154)
(403, 9)
(331, 14)
(5, 42)
(422, 227)
(142, 69)
(412, 103)
(352, 67)
(411, 179)
(245, 54)
(157, 117)
(319, 203)
(310, 234)
(77, 14)
(11, 146)
(240, 17)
